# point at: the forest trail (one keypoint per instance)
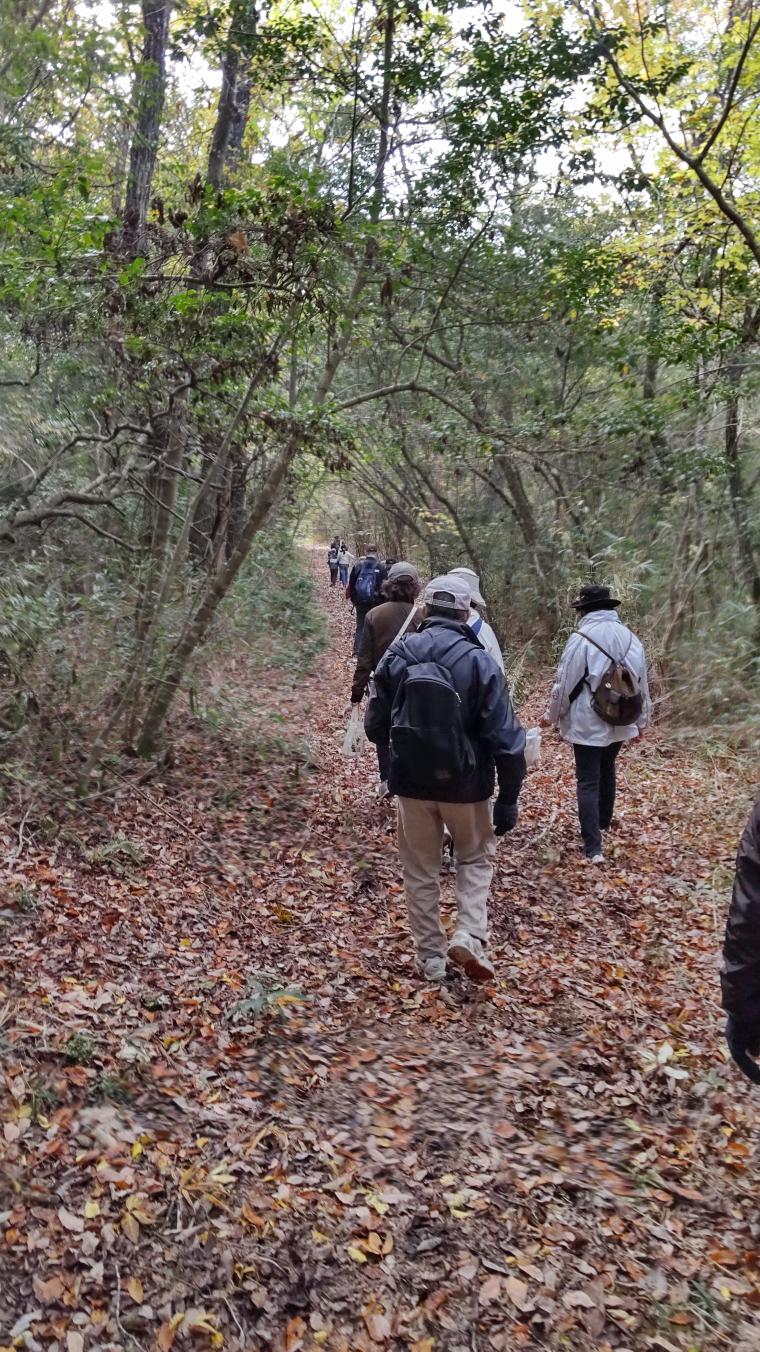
(235, 1117)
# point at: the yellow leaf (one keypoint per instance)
(91, 1209)
(374, 1242)
(356, 1254)
(320, 1336)
(130, 1227)
(460, 1215)
(447, 1180)
(319, 1237)
(377, 1203)
(135, 1288)
(137, 1150)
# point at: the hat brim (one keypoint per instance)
(610, 603)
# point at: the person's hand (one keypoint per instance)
(743, 1040)
(504, 817)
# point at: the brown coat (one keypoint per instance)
(380, 628)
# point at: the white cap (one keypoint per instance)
(448, 592)
(474, 581)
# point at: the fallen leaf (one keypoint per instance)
(48, 1292)
(74, 1341)
(578, 1300)
(69, 1221)
(135, 1288)
(490, 1290)
(378, 1327)
(517, 1292)
(356, 1254)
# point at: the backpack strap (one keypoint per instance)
(615, 660)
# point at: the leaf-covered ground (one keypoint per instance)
(233, 1116)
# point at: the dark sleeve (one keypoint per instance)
(365, 662)
(377, 720)
(740, 969)
(500, 731)
(352, 583)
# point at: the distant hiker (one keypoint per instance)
(400, 590)
(364, 589)
(740, 968)
(333, 555)
(600, 700)
(345, 560)
(477, 621)
(443, 704)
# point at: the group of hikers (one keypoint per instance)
(446, 734)
(338, 561)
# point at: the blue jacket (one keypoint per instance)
(490, 721)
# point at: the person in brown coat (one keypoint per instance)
(401, 589)
(740, 969)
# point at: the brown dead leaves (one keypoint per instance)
(369, 1167)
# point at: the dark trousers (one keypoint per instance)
(361, 614)
(333, 575)
(596, 784)
(383, 760)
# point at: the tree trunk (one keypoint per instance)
(737, 494)
(150, 82)
(169, 680)
(174, 669)
(234, 96)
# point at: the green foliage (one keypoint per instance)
(80, 1050)
(265, 996)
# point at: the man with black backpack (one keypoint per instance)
(442, 703)
(600, 700)
(365, 589)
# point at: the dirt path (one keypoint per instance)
(235, 1117)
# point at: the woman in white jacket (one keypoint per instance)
(477, 621)
(596, 743)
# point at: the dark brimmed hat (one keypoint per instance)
(594, 597)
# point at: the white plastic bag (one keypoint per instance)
(533, 748)
(355, 737)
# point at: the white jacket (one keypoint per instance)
(582, 662)
(487, 637)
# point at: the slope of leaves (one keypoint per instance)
(234, 1116)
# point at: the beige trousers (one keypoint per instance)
(420, 839)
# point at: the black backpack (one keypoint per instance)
(429, 741)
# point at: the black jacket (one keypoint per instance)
(496, 735)
(740, 969)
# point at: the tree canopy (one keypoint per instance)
(484, 283)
